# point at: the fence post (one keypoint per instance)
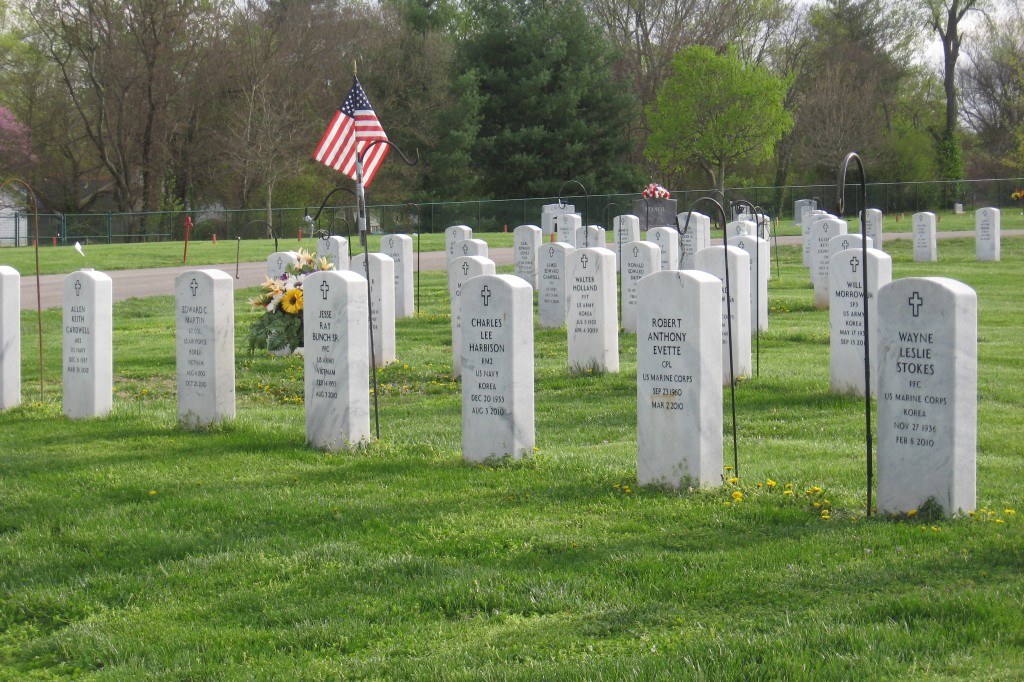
(110, 229)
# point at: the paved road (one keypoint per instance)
(160, 281)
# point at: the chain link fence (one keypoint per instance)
(18, 228)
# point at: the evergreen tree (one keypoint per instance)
(550, 109)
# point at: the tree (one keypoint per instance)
(649, 33)
(123, 64)
(991, 87)
(550, 108)
(715, 111)
(945, 17)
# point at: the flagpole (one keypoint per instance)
(361, 204)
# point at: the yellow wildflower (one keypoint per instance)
(737, 495)
(770, 483)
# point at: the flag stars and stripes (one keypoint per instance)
(353, 128)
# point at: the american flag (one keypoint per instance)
(352, 128)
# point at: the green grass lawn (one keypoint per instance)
(131, 548)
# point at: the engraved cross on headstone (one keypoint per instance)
(465, 249)
(551, 251)
(465, 269)
(583, 260)
(916, 302)
(280, 263)
(854, 263)
(636, 251)
(846, 244)
(78, 287)
(194, 286)
(485, 294)
(324, 288)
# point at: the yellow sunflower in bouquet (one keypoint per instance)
(279, 326)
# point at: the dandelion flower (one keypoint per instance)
(770, 483)
(1009, 512)
(737, 495)
(912, 513)
(291, 302)
(787, 492)
(733, 480)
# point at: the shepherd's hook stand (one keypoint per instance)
(361, 202)
(728, 318)
(840, 201)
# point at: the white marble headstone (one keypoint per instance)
(627, 229)
(735, 311)
(335, 249)
(569, 228)
(460, 270)
(760, 267)
(874, 227)
(667, 239)
(592, 310)
(497, 368)
(741, 228)
(205, 346)
(594, 235)
(88, 344)
(527, 240)
(810, 217)
(336, 360)
(10, 337)
(846, 316)
(821, 234)
(692, 237)
(986, 233)
(278, 263)
(549, 214)
(382, 305)
(453, 235)
(470, 247)
(925, 246)
(800, 207)
(927, 395)
(641, 259)
(679, 379)
(551, 299)
(399, 248)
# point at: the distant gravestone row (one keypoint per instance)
(921, 333)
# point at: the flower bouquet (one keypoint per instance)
(279, 328)
(656, 191)
(655, 207)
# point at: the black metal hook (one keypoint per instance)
(728, 319)
(273, 232)
(759, 217)
(323, 203)
(583, 217)
(840, 205)
(394, 146)
(606, 210)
